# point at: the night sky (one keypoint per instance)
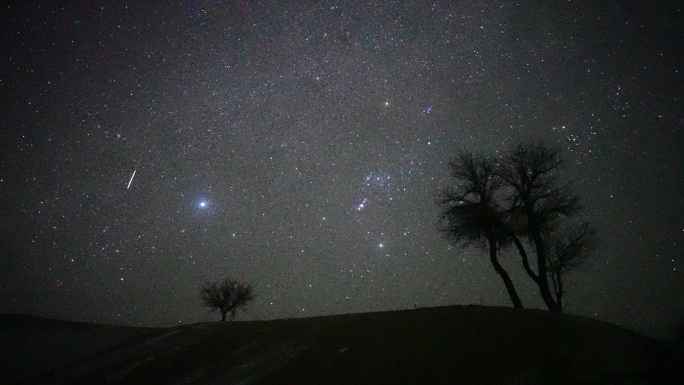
(301, 146)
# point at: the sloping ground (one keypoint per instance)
(31, 345)
(454, 345)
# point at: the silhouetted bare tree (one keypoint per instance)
(517, 199)
(566, 253)
(536, 202)
(474, 215)
(226, 297)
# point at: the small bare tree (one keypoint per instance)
(566, 253)
(226, 297)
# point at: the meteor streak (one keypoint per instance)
(131, 181)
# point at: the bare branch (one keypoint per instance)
(570, 252)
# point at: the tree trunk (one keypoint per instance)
(543, 282)
(559, 290)
(525, 261)
(223, 315)
(499, 269)
(548, 299)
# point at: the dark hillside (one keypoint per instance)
(463, 344)
(30, 345)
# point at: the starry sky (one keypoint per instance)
(301, 146)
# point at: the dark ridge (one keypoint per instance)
(30, 345)
(440, 345)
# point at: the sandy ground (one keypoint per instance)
(30, 345)
(463, 345)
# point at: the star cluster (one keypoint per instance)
(147, 148)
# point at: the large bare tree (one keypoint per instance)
(228, 296)
(537, 201)
(517, 199)
(474, 214)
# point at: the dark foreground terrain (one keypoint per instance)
(450, 345)
(31, 345)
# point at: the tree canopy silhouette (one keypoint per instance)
(517, 199)
(228, 296)
(474, 214)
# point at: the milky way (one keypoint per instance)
(149, 148)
